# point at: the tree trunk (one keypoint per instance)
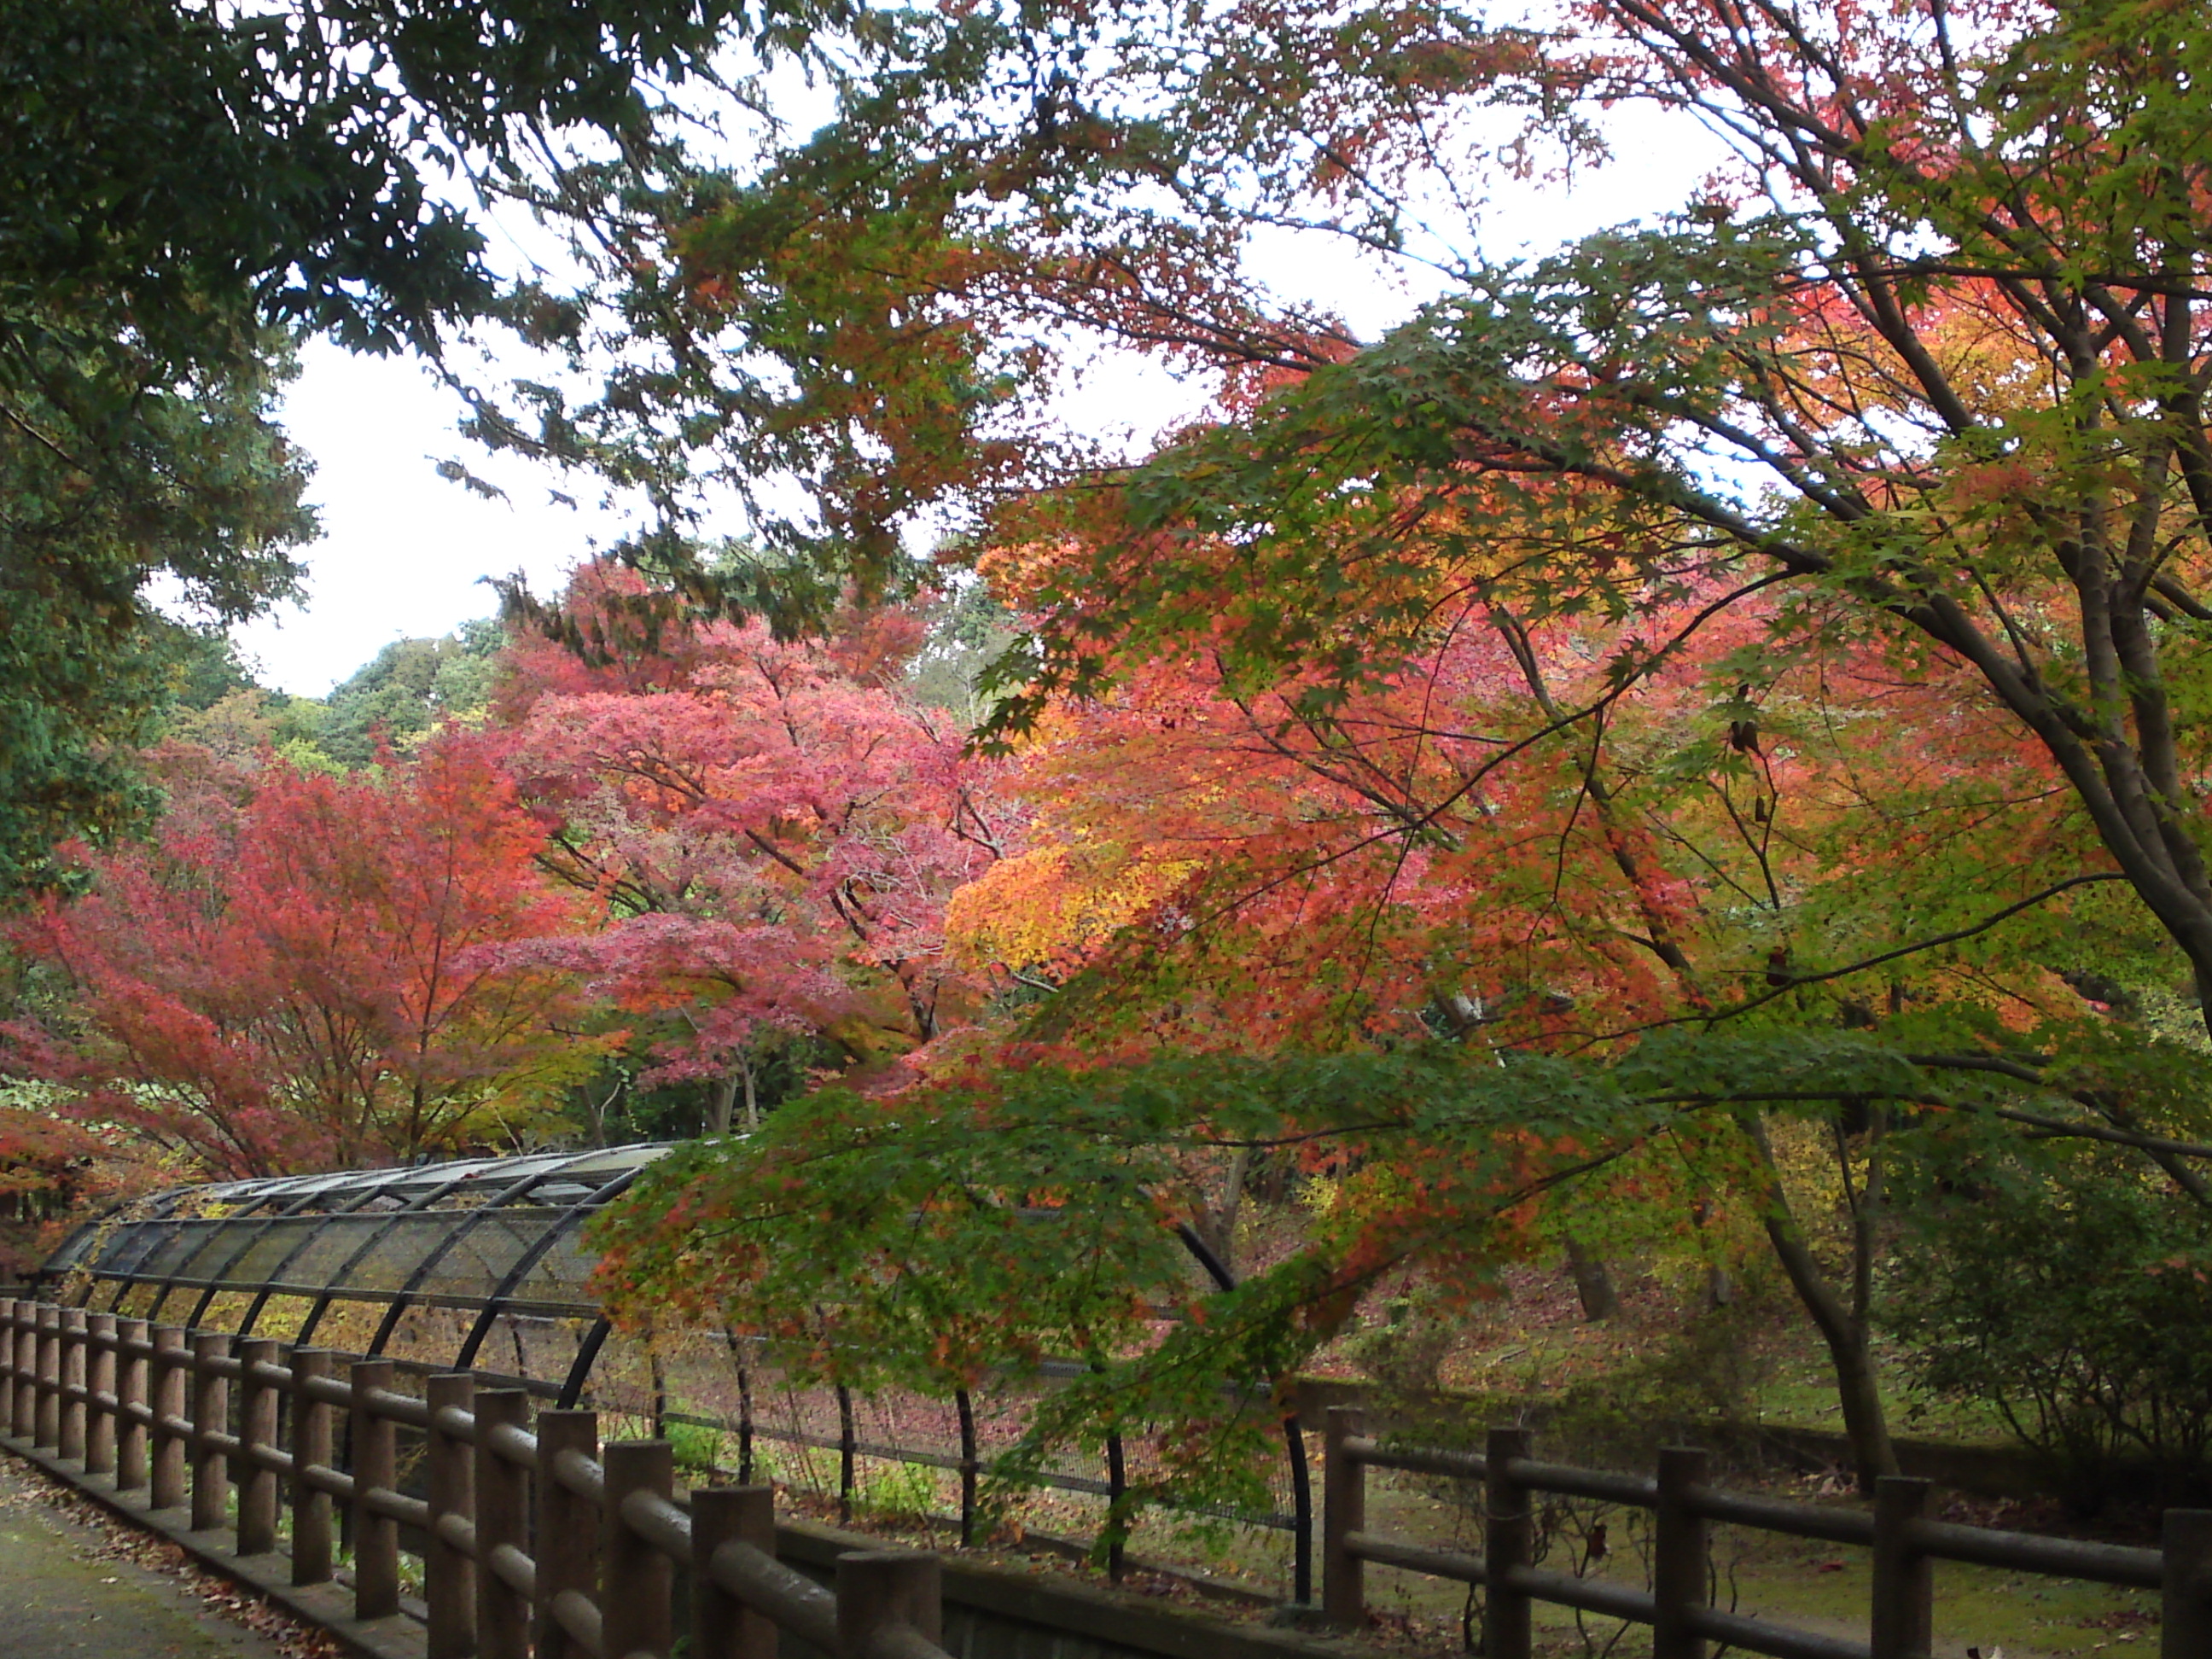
(720, 1104)
(1849, 1354)
(1217, 1226)
(1592, 1284)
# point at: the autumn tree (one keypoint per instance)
(304, 972)
(190, 480)
(777, 828)
(1832, 551)
(1914, 316)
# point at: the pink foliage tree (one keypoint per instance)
(777, 827)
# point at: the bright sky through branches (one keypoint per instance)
(405, 553)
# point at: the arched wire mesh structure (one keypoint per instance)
(483, 1265)
(447, 1266)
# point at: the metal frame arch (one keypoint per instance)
(335, 1288)
(219, 1225)
(509, 1196)
(152, 1210)
(587, 1355)
(497, 1302)
(254, 1234)
(467, 1172)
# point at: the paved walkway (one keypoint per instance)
(62, 1598)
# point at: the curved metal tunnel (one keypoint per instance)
(481, 1265)
(423, 1265)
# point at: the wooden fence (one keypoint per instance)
(534, 1541)
(540, 1540)
(1905, 1542)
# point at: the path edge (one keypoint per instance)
(327, 1607)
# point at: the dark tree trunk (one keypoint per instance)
(1592, 1284)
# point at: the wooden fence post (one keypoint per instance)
(171, 1361)
(211, 1415)
(449, 1576)
(877, 1589)
(1902, 1622)
(25, 1416)
(102, 1401)
(312, 1421)
(1680, 1566)
(1343, 1512)
(2186, 1629)
(637, 1582)
(1509, 1534)
(722, 1626)
(50, 1375)
(74, 1376)
(375, 1468)
(8, 1364)
(567, 1535)
(8, 1329)
(132, 1397)
(502, 1491)
(258, 1400)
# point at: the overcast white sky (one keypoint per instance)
(406, 554)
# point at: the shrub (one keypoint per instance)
(2074, 1297)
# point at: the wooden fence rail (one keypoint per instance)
(1904, 1540)
(538, 1540)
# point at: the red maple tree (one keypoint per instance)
(303, 971)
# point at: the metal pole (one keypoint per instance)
(847, 1448)
(1302, 1515)
(969, 1463)
(1117, 1522)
